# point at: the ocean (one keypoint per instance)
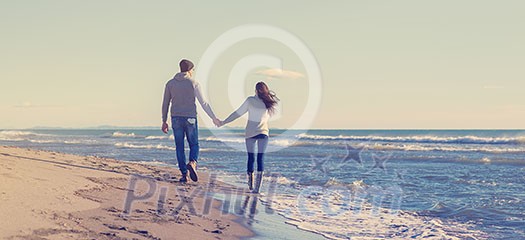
(405, 183)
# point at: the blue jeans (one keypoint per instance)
(185, 126)
(262, 143)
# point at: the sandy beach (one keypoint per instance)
(48, 195)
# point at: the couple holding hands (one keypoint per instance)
(181, 93)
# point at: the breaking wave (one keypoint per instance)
(422, 139)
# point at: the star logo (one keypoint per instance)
(352, 154)
(319, 164)
(399, 174)
(379, 161)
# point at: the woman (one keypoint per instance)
(259, 107)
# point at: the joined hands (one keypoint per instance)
(218, 122)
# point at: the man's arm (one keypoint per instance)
(204, 104)
(165, 107)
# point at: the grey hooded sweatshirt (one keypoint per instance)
(181, 92)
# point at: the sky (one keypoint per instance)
(383, 64)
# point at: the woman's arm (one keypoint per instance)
(239, 112)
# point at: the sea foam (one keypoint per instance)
(422, 139)
(122, 135)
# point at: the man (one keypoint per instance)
(181, 92)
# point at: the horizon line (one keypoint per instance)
(109, 127)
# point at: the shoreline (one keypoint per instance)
(84, 197)
(58, 195)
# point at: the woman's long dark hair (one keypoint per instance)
(267, 96)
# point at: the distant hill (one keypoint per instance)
(102, 127)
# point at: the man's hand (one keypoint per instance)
(217, 122)
(165, 127)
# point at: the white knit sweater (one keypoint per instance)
(257, 116)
